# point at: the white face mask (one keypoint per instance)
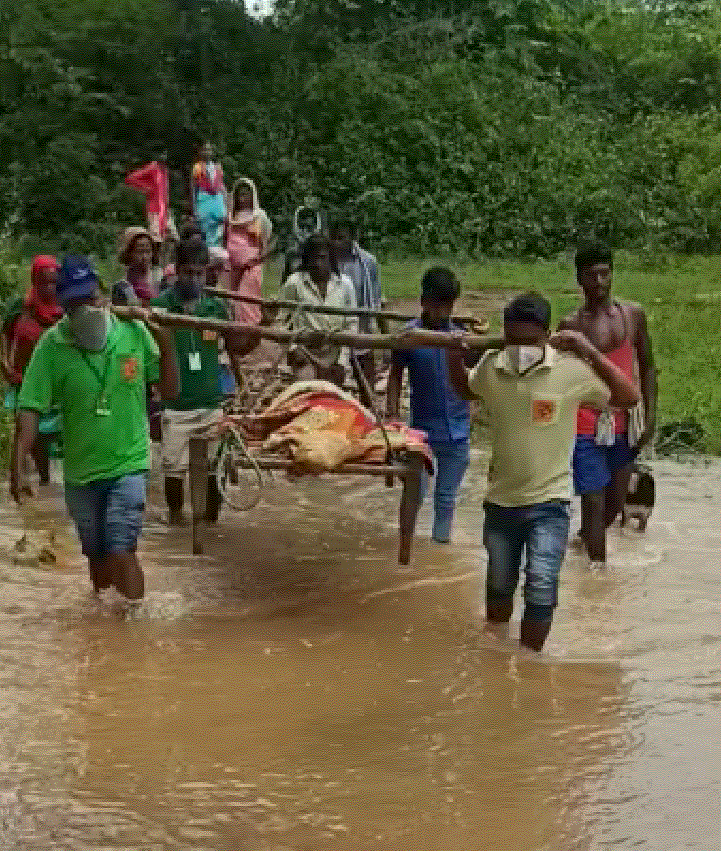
(524, 358)
(89, 326)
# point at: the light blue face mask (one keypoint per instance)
(89, 326)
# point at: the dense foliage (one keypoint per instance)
(489, 127)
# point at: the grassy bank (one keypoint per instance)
(682, 296)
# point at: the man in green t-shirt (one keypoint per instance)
(94, 367)
(197, 407)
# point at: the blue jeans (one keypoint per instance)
(108, 514)
(451, 464)
(542, 531)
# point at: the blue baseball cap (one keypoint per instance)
(77, 279)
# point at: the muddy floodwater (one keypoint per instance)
(295, 689)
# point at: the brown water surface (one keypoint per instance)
(294, 689)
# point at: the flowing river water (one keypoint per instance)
(294, 689)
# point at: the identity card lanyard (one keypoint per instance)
(102, 407)
(193, 354)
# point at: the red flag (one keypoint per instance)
(152, 181)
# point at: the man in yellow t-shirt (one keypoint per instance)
(531, 390)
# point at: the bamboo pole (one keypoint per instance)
(280, 304)
(347, 469)
(405, 338)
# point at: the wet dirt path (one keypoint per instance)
(294, 689)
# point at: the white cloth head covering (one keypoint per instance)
(217, 256)
(243, 217)
(301, 233)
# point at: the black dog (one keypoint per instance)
(641, 497)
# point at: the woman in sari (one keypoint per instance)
(249, 242)
(137, 246)
(208, 195)
(136, 254)
(152, 181)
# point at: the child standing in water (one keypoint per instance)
(435, 406)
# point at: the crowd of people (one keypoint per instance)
(566, 411)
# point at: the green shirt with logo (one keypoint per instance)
(197, 353)
(101, 397)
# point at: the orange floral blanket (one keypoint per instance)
(321, 427)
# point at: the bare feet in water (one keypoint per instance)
(498, 631)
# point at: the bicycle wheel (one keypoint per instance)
(240, 480)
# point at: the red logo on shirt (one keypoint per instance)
(130, 368)
(544, 411)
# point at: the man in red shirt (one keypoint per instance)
(607, 444)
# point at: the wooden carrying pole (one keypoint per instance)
(407, 338)
(198, 469)
(280, 304)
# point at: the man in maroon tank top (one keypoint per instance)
(602, 460)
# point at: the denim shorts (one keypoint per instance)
(593, 465)
(541, 531)
(108, 514)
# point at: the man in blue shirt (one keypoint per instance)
(435, 406)
(362, 268)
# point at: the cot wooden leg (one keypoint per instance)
(198, 470)
(410, 503)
